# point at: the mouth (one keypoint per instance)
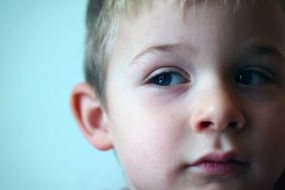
(219, 164)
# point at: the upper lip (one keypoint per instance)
(220, 156)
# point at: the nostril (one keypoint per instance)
(206, 124)
(234, 125)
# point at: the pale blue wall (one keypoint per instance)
(41, 50)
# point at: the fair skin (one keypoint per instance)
(208, 81)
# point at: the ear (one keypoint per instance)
(91, 116)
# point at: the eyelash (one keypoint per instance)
(254, 76)
(251, 77)
(168, 77)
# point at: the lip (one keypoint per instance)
(219, 163)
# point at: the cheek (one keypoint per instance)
(147, 135)
(270, 120)
(268, 135)
(154, 132)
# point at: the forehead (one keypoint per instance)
(135, 6)
(169, 21)
(211, 31)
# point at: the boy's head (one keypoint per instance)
(190, 94)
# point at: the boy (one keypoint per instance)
(190, 94)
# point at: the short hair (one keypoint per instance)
(102, 20)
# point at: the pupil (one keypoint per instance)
(163, 79)
(245, 78)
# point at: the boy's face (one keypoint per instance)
(196, 98)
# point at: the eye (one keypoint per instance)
(253, 78)
(168, 78)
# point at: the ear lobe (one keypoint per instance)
(90, 116)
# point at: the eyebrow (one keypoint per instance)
(254, 50)
(163, 49)
(259, 50)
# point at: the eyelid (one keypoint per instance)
(167, 70)
(261, 70)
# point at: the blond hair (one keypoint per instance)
(102, 21)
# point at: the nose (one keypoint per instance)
(218, 110)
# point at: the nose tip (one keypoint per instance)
(218, 116)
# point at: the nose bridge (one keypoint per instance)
(218, 109)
